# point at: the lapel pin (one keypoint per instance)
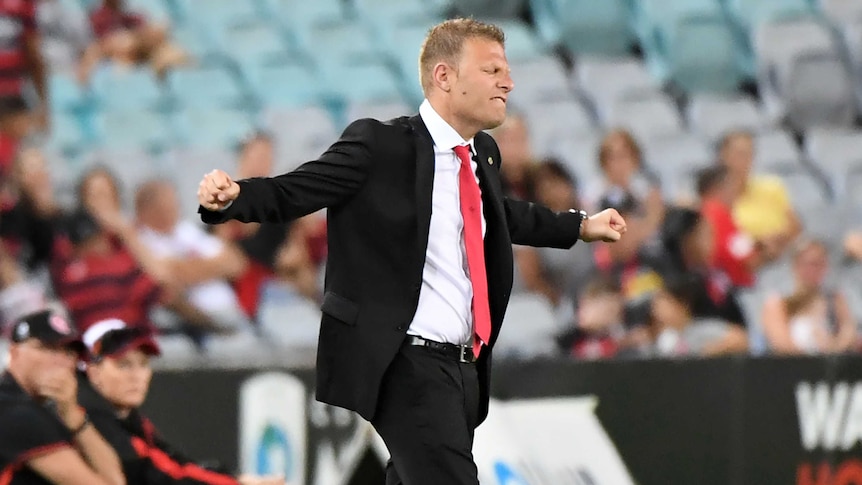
(490, 161)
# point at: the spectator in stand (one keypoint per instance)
(599, 330)
(761, 206)
(735, 252)
(30, 213)
(621, 163)
(118, 379)
(45, 436)
(21, 63)
(65, 35)
(680, 332)
(263, 244)
(813, 319)
(16, 124)
(558, 275)
(687, 251)
(128, 39)
(513, 140)
(201, 264)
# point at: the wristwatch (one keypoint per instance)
(584, 216)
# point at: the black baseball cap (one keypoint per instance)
(114, 337)
(49, 328)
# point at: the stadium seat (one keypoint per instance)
(68, 134)
(378, 111)
(676, 158)
(713, 116)
(210, 87)
(578, 152)
(530, 328)
(807, 189)
(216, 13)
(198, 42)
(841, 11)
(118, 88)
(539, 79)
(288, 319)
(750, 14)
(363, 82)
(143, 129)
(775, 151)
(178, 351)
(605, 80)
(302, 133)
(154, 10)
(212, 127)
(493, 9)
(285, 85)
(819, 92)
(66, 94)
(384, 13)
(665, 15)
(521, 42)
(255, 43)
(551, 121)
(132, 166)
(343, 42)
(777, 45)
(242, 349)
(700, 54)
(585, 27)
(299, 14)
(645, 116)
(189, 164)
(836, 153)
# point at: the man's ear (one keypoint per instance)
(444, 75)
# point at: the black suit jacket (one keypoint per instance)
(376, 182)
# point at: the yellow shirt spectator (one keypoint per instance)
(764, 208)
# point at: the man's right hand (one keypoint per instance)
(217, 190)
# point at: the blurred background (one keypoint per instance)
(727, 132)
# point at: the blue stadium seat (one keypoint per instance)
(702, 56)
(66, 93)
(205, 87)
(294, 84)
(211, 128)
(298, 14)
(257, 43)
(403, 46)
(334, 43)
(216, 12)
(364, 82)
(145, 130)
(153, 10)
(122, 88)
(387, 12)
(651, 15)
(585, 26)
(498, 9)
(521, 42)
(751, 13)
(198, 42)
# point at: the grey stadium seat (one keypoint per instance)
(549, 122)
(606, 79)
(676, 159)
(836, 153)
(646, 117)
(302, 134)
(776, 151)
(540, 79)
(819, 92)
(714, 116)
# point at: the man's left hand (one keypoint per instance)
(608, 226)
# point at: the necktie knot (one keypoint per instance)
(463, 152)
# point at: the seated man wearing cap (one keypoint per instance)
(119, 376)
(45, 436)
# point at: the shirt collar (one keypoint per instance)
(444, 136)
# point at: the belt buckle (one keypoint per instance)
(465, 354)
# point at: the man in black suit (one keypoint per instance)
(420, 254)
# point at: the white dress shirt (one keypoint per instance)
(444, 313)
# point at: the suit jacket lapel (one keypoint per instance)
(489, 179)
(424, 176)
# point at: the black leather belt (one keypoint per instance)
(458, 353)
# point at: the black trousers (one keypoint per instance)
(426, 415)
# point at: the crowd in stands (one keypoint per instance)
(694, 275)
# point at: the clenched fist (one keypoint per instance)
(217, 190)
(608, 226)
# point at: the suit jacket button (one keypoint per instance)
(399, 327)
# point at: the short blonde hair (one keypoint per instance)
(445, 41)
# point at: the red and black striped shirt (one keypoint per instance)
(17, 26)
(96, 287)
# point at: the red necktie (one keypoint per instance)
(471, 211)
